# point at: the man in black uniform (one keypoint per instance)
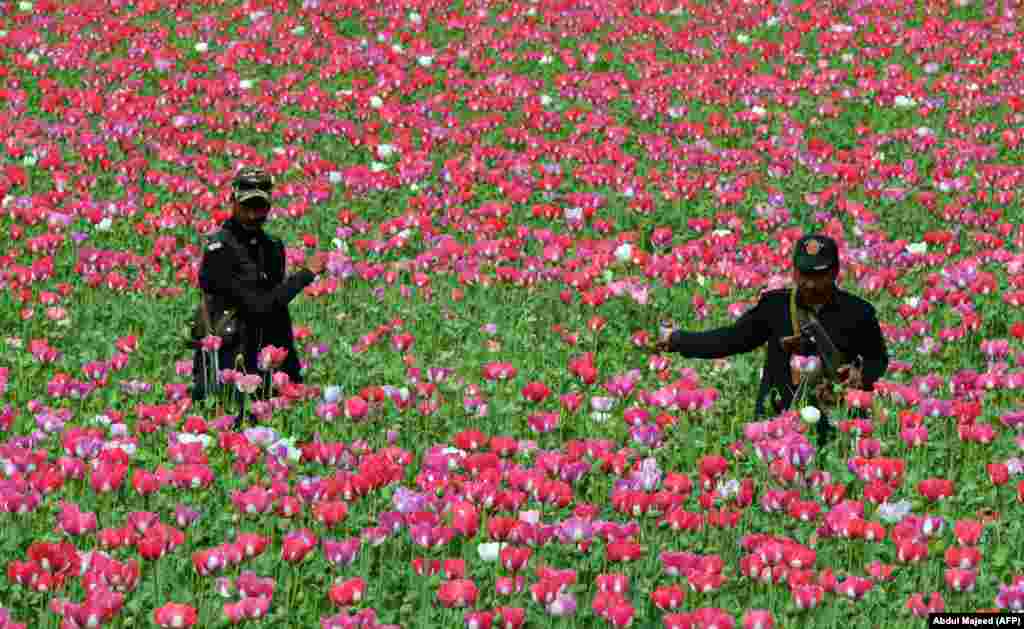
(777, 319)
(243, 270)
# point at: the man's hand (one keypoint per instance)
(826, 395)
(316, 263)
(790, 343)
(658, 347)
(851, 377)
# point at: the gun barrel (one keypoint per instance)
(823, 343)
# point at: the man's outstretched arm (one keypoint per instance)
(750, 331)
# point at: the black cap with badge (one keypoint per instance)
(252, 186)
(815, 253)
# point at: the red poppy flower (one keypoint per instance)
(470, 439)
(933, 489)
(297, 544)
(909, 551)
(620, 614)
(998, 473)
(176, 615)
(509, 617)
(624, 551)
(682, 520)
(536, 391)
(617, 583)
(330, 513)
(457, 593)
(678, 621)
(961, 580)
(668, 597)
(968, 532)
(677, 483)
(808, 596)
(918, 607)
(347, 592)
(758, 619)
(514, 558)
(249, 608)
(965, 557)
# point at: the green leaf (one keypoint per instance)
(1001, 556)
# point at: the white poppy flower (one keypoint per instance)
(904, 102)
(810, 414)
(332, 393)
(187, 438)
(894, 512)
(490, 551)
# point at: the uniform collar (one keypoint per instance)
(833, 301)
(243, 235)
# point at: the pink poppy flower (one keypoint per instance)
(758, 619)
(478, 620)
(249, 608)
(961, 580)
(917, 605)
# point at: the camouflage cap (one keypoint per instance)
(252, 185)
(815, 253)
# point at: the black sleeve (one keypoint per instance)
(217, 275)
(872, 349)
(750, 331)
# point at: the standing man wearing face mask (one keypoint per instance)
(243, 271)
(776, 322)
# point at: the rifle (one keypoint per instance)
(831, 358)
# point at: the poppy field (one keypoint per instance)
(517, 197)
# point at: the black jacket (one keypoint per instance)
(246, 271)
(849, 320)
